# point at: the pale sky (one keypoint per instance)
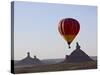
(36, 29)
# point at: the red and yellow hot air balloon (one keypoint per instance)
(69, 28)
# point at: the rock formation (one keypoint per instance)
(77, 55)
(29, 60)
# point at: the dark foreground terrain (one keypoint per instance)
(55, 67)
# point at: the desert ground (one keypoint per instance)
(55, 67)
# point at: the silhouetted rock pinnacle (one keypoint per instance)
(29, 60)
(77, 55)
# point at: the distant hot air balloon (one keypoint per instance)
(69, 28)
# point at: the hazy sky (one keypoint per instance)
(36, 29)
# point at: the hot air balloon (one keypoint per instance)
(69, 28)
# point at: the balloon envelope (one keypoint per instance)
(69, 28)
